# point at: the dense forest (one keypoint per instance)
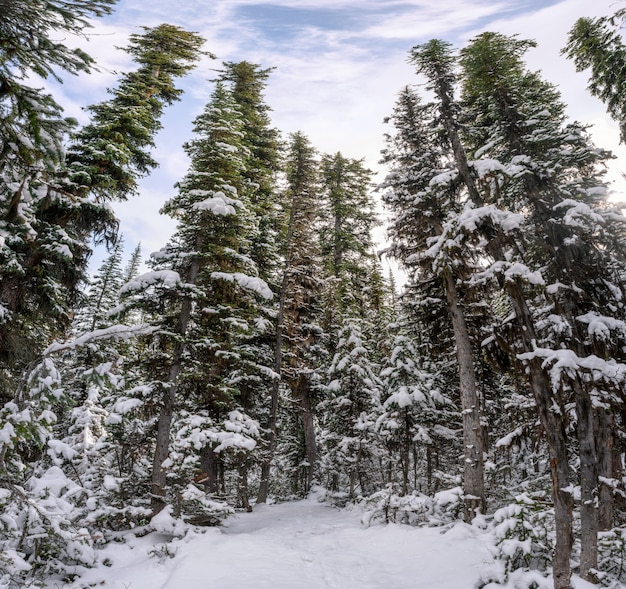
(265, 352)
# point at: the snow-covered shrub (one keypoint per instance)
(415, 509)
(232, 438)
(105, 447)
(41, 531)
(612, 557)
(523, 544)
(201, 510)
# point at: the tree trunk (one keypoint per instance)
(161, 451)
(278, 366)
(209, 465)
(588, 484)
(266, 465)
(605, 448)
(304, 396)
(554, 428)
(473, 467)
(242, 486)
(553, 423)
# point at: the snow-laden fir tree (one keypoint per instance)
(561, 270)
(247, 82)
(102, 293)
(346, 238)
(33, 298)
(109, 155)
(350, 452)
(55, 204)
(423, 191)
(413, 410)
(205, 293)
(298, 334)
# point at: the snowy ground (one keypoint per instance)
(300, 545)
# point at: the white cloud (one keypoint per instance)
(434, 19)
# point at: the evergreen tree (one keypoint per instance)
(109, 155)
(207, 283)
(563, 265)
(347, 413)
(132, 267)
(597, 44)
(296, 329)
(346, 238)
(247, 82)
(412, 407)
(103, 292)
(54, 207)
(33, 300)
(426, 195)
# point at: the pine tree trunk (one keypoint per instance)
(473, 445)
(554, 428)
(473, 467)
(588, 485)
(164, 425)
(605, 448)
(209, 465)
(405, 454)
(304, 396)
(278, 367)
(266, 465)
(242, 486)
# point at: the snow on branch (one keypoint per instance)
(252, 283)
(163, 278)
(580, 215)
(118, 332)
(471, 218)
(601, 327)
(560, 362)
(512, 272)
(218, 204)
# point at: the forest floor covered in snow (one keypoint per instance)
(299, 545)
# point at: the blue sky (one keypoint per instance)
(339, 65)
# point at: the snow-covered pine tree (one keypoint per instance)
(412, 406)
(247, 82)
(32, 132)
(205, 293)
(103, 291)
(109, 154)
(597, 44)
(562, 273)
(350, 459)
(346, 238)
(424, 191)
(54, 207)
(353, 293)
(297, 332)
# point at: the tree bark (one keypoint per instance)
(304, 396)
(605, 448)
(209, 464)
(473, 467)
(278, 366)
(588, 484)
(164, 425)
(556, 437)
